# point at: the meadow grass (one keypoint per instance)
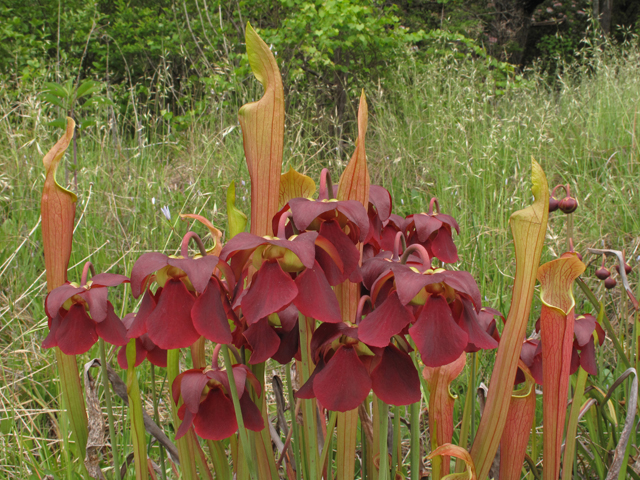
(436, 130)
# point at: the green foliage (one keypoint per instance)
(75, 101)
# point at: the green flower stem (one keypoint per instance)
(572, 426)
(187, 456)
(383, 412)
(327, 443)
(156, 417)
(219, 457)
(294, 426)
(244, 438)
(396, 442)
(309, 405)
(107, 396)
(138, 432)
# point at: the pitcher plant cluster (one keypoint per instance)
(365, 310)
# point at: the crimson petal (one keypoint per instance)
(271, 290)
(141, 354)
(251, 414)
(395, 379)
(216, 418)
(583, 329)
(384, 322)
(306, 391)
(144, 266)
(58, 296)
(97, 300)
(139, 325)
(437, 336)
(478, 336)
(209, 316)
(289, 344)
(191, 386)
(263, 341)
(304, 246)
(77, 332)
(381, 199)
(169, 326)
(111, 329)
(464, 282)
(588, 358)
(198, 270)
(443, 247)
(187, 420)
(305, 211)
(409, 282)
(344, 383)
(315, 297)
(425, 226)
(50, 341)
(157, 356)
(108, 280)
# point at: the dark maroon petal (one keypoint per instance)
(141, 354)
(58, 296)
(384, 322)
(263, 341)
(443, 247)
(139, 325)
(409, 282)
(50, 341)
(108, 280)
(344, 383)
(449, 220)
(187, 420)
(191, 387)
(198, 270)
(289, 344)
(244, 241)
(158, 357)
(355, 211)
(111, 329)
(144, 266)
(437, 336)
(528, 351)
(349, 254)
(464, 282)
(242, 373)
(271, 290)
(600, 333)
(395, 379)
(373, 268)
(169, 326)
(583, 329)
(77, 332)
(306, 391)
(216, 418)
(315, 297)
(478, 336)
(251, 414)
(97, 300)
(425, 226)
(305, 211)
(388, 236)
(588, 358)
(304, 246)
(381, 199)
(209, 316)
(575, 360)
(327, 333)
(289, 317)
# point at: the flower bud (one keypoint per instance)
(603, 273)
(609, 283)
(627, 268)
(568, 205)
(553, 204)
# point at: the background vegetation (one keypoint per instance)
(157, 85)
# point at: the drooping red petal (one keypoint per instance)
(381, 199)
(425, 226)
(344, 383)
(384, 322)
(111, 329)
(306, 390)
(302, 245)
(289, 344)
(583, 328)
(157, 356)
(251, 414)
(141, 354)
(356, 212)
(327, 333)
(409, 282)
(242, 373)
(349, 254)
(209, 316)
(187, 420)
(588, 358)
(97, 300)
(465, 283)
(315, 297)
(289, 317)
(58, 296)
(169, 326)
(108, 280)
(139, 325)
(144, 266)
(443, 247)
(77, 332)
(437, 336)
(216, 418)
(263, 341)
(50, 341)
(198, 270)
(191, 386)
(478, 336)
(305, 211)
(395, 380)
(271, 290)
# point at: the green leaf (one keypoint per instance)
(85, 88)
(57, 90)
(58, 123)
(52, 99)
(88, 91)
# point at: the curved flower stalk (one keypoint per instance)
(78, 315)
(515, 436)
(441, 403)
(528, 227)
(58, 209)
(556, 331)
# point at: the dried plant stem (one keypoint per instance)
(107, 396)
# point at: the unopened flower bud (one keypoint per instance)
(609, 283)
(553, 204)
(603, 273)
(627, 268)
(568, 205)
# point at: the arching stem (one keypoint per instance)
(184, 247)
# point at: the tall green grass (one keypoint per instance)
(437, 129)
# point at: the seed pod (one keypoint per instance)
(568, 205)
(603, 273)
(553, 204)
(627, 268)
(609, 283)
